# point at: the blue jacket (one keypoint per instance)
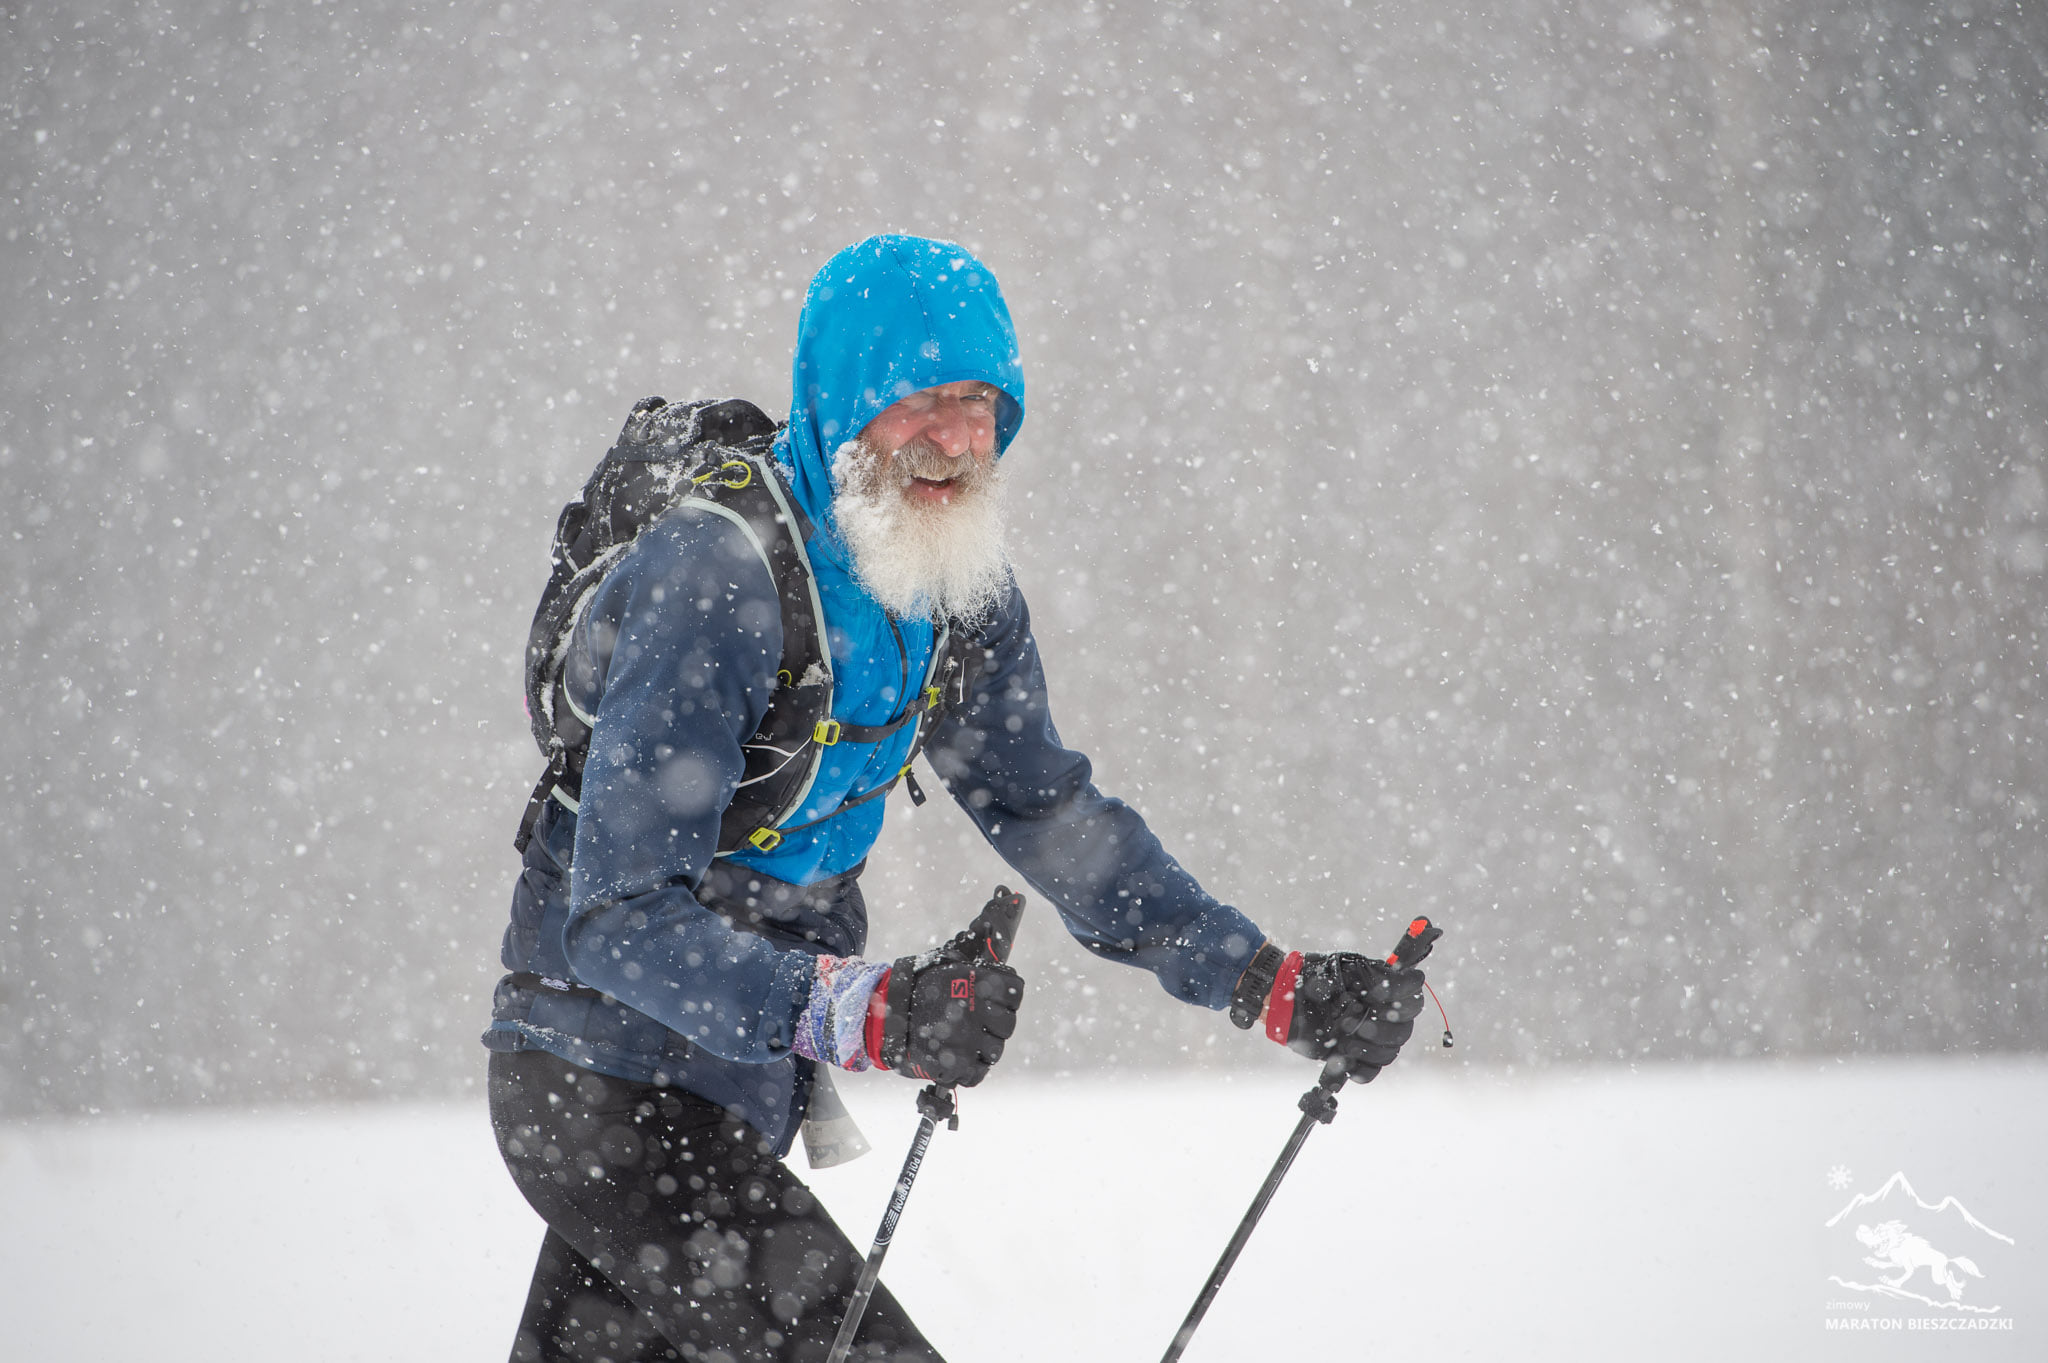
(638, 953)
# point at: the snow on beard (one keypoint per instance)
(922, 559)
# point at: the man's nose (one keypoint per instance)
(951, 430)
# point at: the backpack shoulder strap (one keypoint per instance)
(788, 747)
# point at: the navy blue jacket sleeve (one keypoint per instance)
(1115, 887)
(675, 661)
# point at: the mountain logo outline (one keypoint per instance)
(1902, 1242)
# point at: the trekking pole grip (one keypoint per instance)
(994, 929)
(1415, 943)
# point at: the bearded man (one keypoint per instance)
(672, 1002)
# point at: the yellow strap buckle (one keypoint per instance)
(767, 839)
(827, 732)
(931, 697)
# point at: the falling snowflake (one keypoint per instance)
(1838, 1177)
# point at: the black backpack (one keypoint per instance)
(719, 456)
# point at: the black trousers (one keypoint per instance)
(673, 1231)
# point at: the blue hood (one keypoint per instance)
(885, 318)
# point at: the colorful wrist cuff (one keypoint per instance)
(832, 1027)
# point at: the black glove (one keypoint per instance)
(946, 1015)
(1348, 1009)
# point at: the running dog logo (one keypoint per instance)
(1899, 1238)
(1899, 1248)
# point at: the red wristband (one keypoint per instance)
(1280, 1003)
(878, 1008)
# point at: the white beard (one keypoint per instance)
(922, 561)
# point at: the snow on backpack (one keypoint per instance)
(716, 456)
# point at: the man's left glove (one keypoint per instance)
(943, 1015)
(944, 1019)
(1332, 1006)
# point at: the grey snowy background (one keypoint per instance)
(1576, 471)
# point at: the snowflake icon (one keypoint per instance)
(1838, 1177)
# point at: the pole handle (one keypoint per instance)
(1415, 943)
(994, 929)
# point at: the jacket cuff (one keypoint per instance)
(1248, 999)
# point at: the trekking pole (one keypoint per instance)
(994, 931)
(1319, 1104)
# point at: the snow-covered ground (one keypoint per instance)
(1670, 1213)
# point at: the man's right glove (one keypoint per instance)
(943, 1016)
(1335, 1006)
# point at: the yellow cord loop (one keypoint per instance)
(733, 480)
